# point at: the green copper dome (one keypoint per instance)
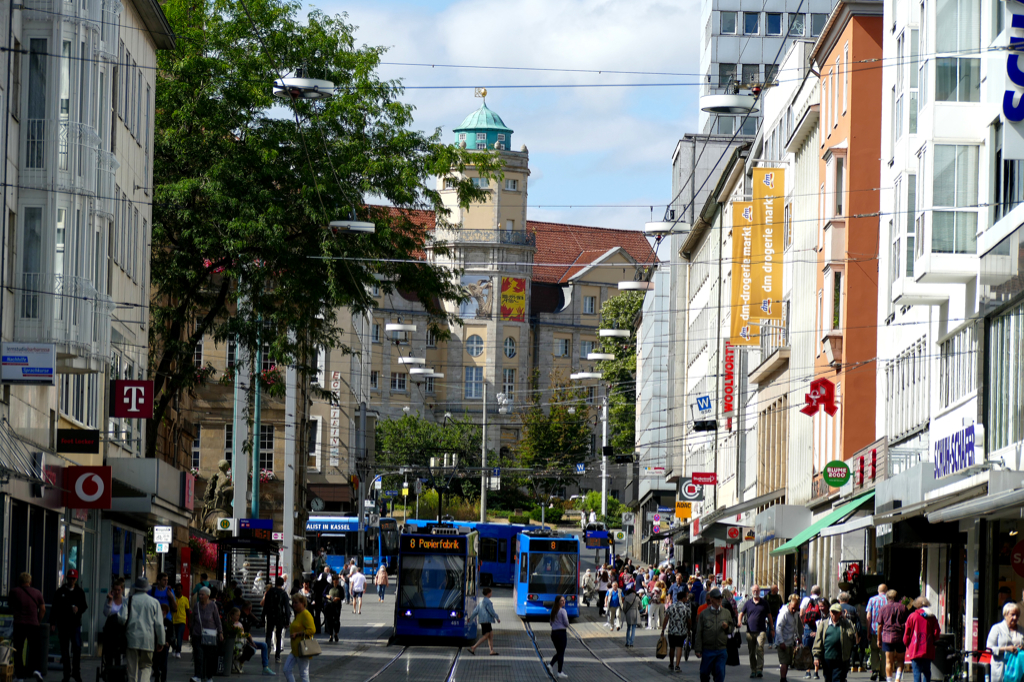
(484, 129)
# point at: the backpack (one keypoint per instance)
(812, 614)
(615, 600)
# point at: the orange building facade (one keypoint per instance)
(847, 245)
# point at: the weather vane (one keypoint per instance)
(480, 92)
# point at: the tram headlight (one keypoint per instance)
(407, 613)
(454, 614)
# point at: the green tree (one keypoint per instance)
(620, 312)
(243, 194)
(412, 440)
(554, 440)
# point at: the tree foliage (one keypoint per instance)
(245, 185)
(554, 440)
(620, 312)
(412, 440)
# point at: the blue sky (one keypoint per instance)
(587, 145)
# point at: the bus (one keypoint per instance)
(497, 542)
(548, 565)
(339, 536)
(437, 583)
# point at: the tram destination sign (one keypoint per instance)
(433, 544)
(555, 545)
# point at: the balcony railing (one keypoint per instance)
(67, 311)
(514, 237)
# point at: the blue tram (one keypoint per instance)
(339, 536)
(548, 565)
(437, 583)
(497, 547)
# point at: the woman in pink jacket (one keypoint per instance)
(919, 637)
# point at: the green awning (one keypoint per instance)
(828, 520)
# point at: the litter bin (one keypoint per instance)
(945, 652)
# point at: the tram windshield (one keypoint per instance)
(552, 573)
(432, 581)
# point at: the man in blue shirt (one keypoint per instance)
(677, 588)
(757, 617)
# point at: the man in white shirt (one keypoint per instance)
(357, 584)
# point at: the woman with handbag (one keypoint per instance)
(301, 632)
(1005, 637)
(207, 634)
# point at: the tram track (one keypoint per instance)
(533, 638)
(600, 660)
(390, 672)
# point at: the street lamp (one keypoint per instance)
(604, 439)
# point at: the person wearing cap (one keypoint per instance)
(68, 606)
(144, 628)
(834, 639)
(715, 626)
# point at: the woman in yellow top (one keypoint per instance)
(180, 618)
(301, 627)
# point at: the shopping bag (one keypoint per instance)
(209, 637)
(662, 650)
(308, 648)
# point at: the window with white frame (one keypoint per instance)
(229, 441)
(475, 345)
(837, 299)
(374, 379)
(958, 370)
(474, 383)
(955, 198)
(562, 347)
(232, 352)
(586, 348)
(481, 136)
(431, 339)
(428, 385)
(906, 392)
(1005, 390)
(958, 32)
(508, 383)
(481, 183)
(589, 305)
(773, 24)
(912, 103)
(846, 75)
(751, 23)
(197, 354)
(462, 137)
(728, 25)
(512, 185)
(375, 333)
(796, 24)
(510, 347)
(840, 186)
(898, 95)
(398, 381)
(266, 447)
(908, 220)
(591, 394)
(195, 447)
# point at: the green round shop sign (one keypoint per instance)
(836, 473)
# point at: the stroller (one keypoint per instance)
(113, 666)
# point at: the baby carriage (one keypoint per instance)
(113, 667)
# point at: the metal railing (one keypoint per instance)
(515, 237)
(67, 311)
(105, 201)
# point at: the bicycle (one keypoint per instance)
(959, 669)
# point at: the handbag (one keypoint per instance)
(308, 648)
(662, 649)
(209, 637)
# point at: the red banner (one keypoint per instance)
(705, 478)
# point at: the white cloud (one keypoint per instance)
(599, 145)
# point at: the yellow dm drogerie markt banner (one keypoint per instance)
(769, 197)
(743, 330)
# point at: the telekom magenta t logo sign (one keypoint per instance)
(131, 399)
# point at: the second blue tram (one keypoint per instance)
(437, 584)
(548, 565)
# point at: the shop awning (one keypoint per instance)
(828, 520)
(1009, 501)
(746, 506)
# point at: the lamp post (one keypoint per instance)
(604, 438)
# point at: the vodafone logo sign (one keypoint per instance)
(87, 488)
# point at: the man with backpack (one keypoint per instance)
(277, 609)
(810, 614)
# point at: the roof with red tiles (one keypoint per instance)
(570, 248)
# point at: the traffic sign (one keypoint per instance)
(277, 535)
(162, 534)
(225, 524)
(496, 473)
(391, 493)
(163, 547)
(405, 491)
(656, 518)
(378, 484)
(705, 478)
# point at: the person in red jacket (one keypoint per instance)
(919, 637)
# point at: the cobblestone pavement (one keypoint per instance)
(594, 654)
